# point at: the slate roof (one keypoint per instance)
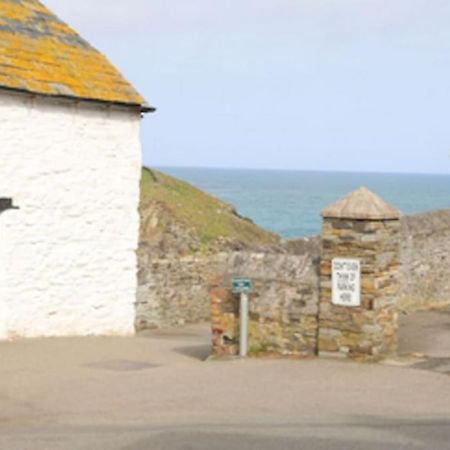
(361, 204)
(41, 54)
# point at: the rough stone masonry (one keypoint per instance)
(294, 315)
(175, 289)
(283, 305)
(363, 228)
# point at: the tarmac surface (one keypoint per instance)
(157, 392)
(427, 336)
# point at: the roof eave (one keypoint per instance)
(141, 107)
(146, 108)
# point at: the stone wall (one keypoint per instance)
(67, 256)
(425, 261)
(369, 330)
(174, 290)
(283, 304)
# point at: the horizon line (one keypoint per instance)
(254, 169)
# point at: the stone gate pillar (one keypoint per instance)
(359, 278)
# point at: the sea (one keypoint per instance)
(289, 202)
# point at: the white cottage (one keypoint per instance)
(70, 161)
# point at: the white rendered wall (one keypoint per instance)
(67, 256)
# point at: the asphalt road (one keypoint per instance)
(371, 435)
(156, 392)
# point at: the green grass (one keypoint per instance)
(210, 219)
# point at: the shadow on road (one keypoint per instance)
(199, 352)
(367, 435)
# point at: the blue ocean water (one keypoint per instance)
(289, 202)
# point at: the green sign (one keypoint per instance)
(241, 285)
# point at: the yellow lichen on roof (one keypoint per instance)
(40, 54)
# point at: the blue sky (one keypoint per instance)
(357, 85)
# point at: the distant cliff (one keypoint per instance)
(179, 219)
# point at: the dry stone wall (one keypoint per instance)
(283, 305)
(425, 261)
(174, 290)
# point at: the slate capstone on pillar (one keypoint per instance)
(360, 239)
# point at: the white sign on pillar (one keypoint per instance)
(346, 282)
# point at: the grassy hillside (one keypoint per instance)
(175, 209)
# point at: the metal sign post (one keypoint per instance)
(243, 325)
(243, 286)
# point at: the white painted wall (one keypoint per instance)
(67, 257)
